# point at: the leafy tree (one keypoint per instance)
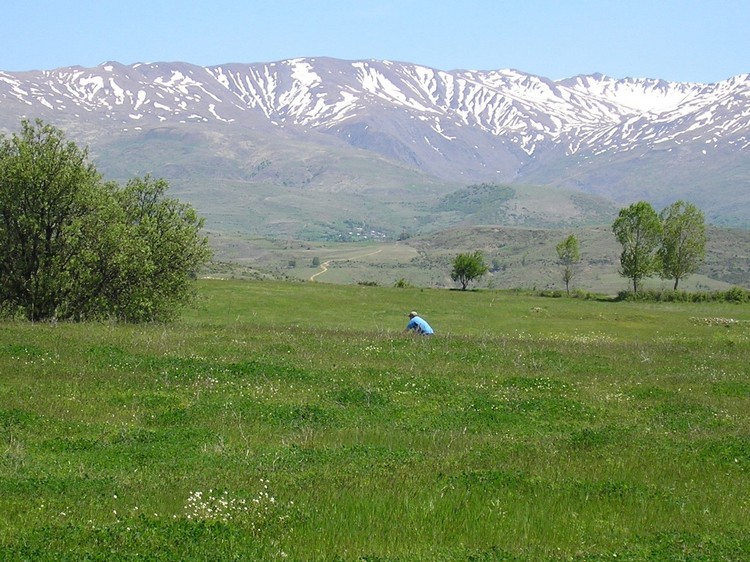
(568, 256)
(47, 188)
(683, 241)
(467, 267)
(166, 245)
(638, 229)
(78, 248)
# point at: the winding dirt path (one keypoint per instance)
(325, 264)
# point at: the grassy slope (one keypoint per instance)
(293, 420)
(288, 187)
(526, 258)
(715, 183)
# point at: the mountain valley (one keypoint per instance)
(328, 150)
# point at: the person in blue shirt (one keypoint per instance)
(419, 325)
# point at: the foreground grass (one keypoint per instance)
(295, 421)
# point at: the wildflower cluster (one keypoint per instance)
(586, 339)
(206, 382)
(259, 512)
(211, 507)
(718, 321)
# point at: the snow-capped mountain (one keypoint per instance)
(625, 139)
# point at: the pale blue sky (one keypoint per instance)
(688, 40)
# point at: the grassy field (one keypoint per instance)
(295, 421)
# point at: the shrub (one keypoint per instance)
(735, 294)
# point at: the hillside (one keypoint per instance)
(302, 148)
(519, 258)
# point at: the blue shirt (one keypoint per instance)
(420, 326)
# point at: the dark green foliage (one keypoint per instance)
(683, 241)
(358, 397)
(672, 244)
(468, 267)
(735, 294)
(568, 256)
(590, 439)
(638, 230)
(477, 199)
(77, 248)
(15, 419)
(47, 192)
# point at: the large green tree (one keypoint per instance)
(47, 189)
(76, 247)
(638, 229)
(568, 256)
(467, 268)
(683, 241)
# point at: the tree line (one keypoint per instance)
(76, 247)
(671, 244)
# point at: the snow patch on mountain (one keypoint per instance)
(584, 114)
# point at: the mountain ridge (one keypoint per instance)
(621, 139)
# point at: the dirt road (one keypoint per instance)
(325, 264)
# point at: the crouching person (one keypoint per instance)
(418, 325)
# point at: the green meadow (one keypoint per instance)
(296, 421)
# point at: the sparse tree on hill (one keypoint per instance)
(467, 268)
(638, 229)
(568, 256)
(77, 248)
(683, 241)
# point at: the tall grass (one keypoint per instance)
(297, 421)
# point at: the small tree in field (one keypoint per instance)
(683, 241)
(467, 268)
(638, 229)
(568, 256)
